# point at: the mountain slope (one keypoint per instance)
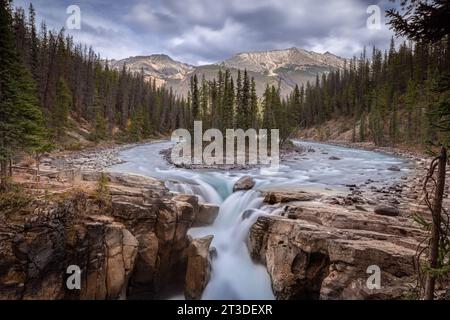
(160, 67)
(285, 68)
(270, 62)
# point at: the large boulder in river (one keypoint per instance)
(198, 267)
(326, 252)
(244, 183)
(203, 213)
(289, 196)
(191, 199)
(207, 214)
(387, 211)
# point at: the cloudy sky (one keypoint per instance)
(205, 31)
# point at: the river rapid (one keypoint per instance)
(323, 168)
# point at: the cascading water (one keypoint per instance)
(234, 275)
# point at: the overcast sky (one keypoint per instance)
(206, 31)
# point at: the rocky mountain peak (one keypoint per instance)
(270, 61)
(286, 66)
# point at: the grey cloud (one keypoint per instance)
(211, 30)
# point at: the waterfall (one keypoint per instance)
(234, 275)
(208, 187)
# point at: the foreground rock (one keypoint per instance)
(36, 255)
(324, 252)
(207, 214)
(387, 211)
(284, 197)
(244, 183)
(133, 243)
(204, 214)
(198, 268)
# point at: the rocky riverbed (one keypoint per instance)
(315, 244)
(289, 151)
(89, 160)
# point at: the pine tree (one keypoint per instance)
(240, 113)
(135, 128)
(228, 102)
(99, 131)
(195, 103)
(296, 105)
(215, 104)
(440, 106)
(21, 123)
(245, 102)
(268, 114)
(204, 102)
(34, 45)
(61, 110)
(254, 105)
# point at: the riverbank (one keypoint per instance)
(373, 214)
(339, 132)
(100, 159)
(370, 146)
(97, 158)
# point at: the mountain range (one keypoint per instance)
(285, 68)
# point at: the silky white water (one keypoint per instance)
(234, 275)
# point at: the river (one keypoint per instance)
(234, 275)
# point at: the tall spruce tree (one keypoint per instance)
(254, 105)
(21, 122)
(195, 102)
(62, 107)
(245, 102)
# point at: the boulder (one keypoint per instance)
(334, 158)
(394, 168)
(284, 197)
(387, 211)
(198, 267)
(244, 183)
(207, 214)
(191, 199)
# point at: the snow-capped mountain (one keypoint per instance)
(285, 68)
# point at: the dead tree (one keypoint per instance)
(436, 211)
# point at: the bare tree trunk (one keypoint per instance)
(38, 167)
(435, 232)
